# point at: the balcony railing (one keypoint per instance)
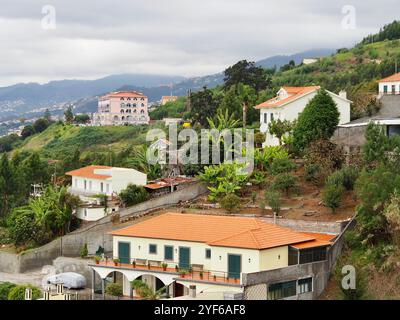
(191, 272)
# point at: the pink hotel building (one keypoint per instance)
(122, 108)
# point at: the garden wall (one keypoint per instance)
(93, 234)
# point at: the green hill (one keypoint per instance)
(60, 139)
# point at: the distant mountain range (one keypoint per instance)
(31, 99)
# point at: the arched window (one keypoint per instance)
(123, 118)
(134, 105)
(122, 110)
(128, 110)
(134, 110)
(129, 98)
(128, 105)
(122, 99)
(122, 105)
(141, 111)
(116, 118)
(142, 104)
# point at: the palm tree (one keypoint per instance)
(145, 292)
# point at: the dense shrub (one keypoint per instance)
(5, 288)
(332, 196)
(133, 195)
(84, 251)
(317, 121)
(230, 202)
(18, 292)
(345, 177)
(114, 289)
(284, 181)
(281, 166)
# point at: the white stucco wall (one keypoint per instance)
(389, 87)
(251, 260)
(291, 111)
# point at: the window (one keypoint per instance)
(265, 118)
(85, 212)
(393, 89)
(85, 184)
(101, 186)
(293, 256)
(168, 253)
(208, 253)
(305, 285)
(312, 255)
(141, 111)
(90, 185)
(385, 89)
(76, 182)
(272, 116)
(281, 290)
(153, 248)
(107, 188)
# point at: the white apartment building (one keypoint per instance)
(91, 181)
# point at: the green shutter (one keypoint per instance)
(168, 253)
(124, 252)
(184, 258)
(234, 266)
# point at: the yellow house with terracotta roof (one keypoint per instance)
(209, 251)
(290, 102)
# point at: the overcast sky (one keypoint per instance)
(95, 38)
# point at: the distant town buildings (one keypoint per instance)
(290, 102)
(91, 182)
(122, 108)
(165, 99)
(390, 85)
(310, 60)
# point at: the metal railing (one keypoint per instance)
(191, 271)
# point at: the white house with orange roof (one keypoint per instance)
(211, 252)
(290, 102)
(90, 182)
(390, 85)
(122, 108)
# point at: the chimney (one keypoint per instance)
(343, 94)
(192, 291)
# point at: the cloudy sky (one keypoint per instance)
(87, 39)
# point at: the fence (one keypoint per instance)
(256, 284)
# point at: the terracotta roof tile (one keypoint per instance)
(89, 172)
(394, 77)
(294, 93)
(238, 232)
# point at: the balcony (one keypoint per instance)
(192, 273)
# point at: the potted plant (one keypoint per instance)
(148, 265)
(183, 273)
(116, 261)
(97, 259)
(201, 274)
(133, 264)
(215, 277)
(164, 266)
(190, 270)
(176, 268)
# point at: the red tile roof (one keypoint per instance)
(294, 93)
(124, 94)
(225, 231)
(89, 172)
(321, 239)
(394, 77)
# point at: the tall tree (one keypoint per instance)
(247, 73)
(69, 115)
(318, 120)
(203, 105)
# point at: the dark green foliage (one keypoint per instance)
(84, 251)
(279, 128)
(114, 289)
(317, 121)
(345, 177)
(247, 73)
(172, 109)
(204, 105)
(284, 181)
(282, 166)
(273, 199)
(82, 118)
(230, 202)
(40, 125)
(68, 115)
(5, 288)
(390, 31)
(22, 226)
(133, 195)
(7, 143)
(27, 131)
(332, 196)
(18, 292)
